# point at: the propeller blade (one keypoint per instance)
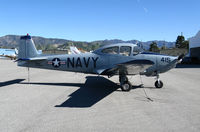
(181, 56)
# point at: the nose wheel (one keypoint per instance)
(125, 84)
(158, 83)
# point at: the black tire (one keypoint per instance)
(126, 86)
(159, 84)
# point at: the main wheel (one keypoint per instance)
(123, 78)
(126, 86)
(158, 84)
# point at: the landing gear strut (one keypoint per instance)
(125, 84)
(158, 83)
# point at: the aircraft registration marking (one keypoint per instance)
(165, 59)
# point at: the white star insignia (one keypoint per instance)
(56, 62)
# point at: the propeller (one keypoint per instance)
(181, 56)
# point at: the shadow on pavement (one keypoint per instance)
(94, 90)
(141, 86)
(187, 66)
(2, 84)
(56, 84)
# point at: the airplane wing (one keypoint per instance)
(128, 68)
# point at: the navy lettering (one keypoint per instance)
(78, 62)
(70, 62)
(86, 62)
(95, 61)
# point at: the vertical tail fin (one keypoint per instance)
(27, 48)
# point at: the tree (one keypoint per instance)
(163, 47)
(40, 47)
(181, 42)
(49, 47)
(185, 45)
(95, 46)
(154, 47)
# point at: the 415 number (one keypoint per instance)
(165, 59)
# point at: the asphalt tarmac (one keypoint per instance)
(56, 101)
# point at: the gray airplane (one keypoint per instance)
(116, 59)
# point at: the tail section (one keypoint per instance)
(27, 48)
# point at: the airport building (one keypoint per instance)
(194, 46)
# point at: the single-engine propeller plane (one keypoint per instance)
(9, 53)
(116, 59)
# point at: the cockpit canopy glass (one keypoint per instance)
(125, 50)
(111, 50)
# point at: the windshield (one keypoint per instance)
(137, 50)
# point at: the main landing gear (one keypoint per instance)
(125, 84)
(158, 83)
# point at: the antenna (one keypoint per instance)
(142, 86)
(141, 45)
(136, 42)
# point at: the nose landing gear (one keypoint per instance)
(158, 83)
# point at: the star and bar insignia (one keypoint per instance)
(56, 62)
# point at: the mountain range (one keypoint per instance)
(12, 41)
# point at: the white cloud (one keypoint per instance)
(145, 10)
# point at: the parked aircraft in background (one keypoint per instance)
(9, 53)
(74, 50)
(116, 59)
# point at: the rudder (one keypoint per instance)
(27, 48)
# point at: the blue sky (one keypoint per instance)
(88, 20)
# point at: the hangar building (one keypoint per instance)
(194, 46)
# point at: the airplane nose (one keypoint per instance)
(174, 59)
(181, 57)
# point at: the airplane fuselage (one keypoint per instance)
(89, 62)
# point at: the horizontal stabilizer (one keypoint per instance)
(32, 59)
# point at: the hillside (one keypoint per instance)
(12, 41)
